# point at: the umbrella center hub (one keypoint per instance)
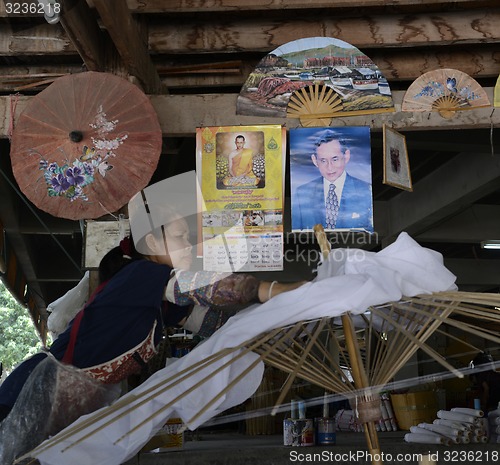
(76, 136)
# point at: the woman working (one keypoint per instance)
(115, 334)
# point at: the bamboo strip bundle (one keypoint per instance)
(380, 426)
(261, 400)
(468, 411)
(451, 433)
(455, 424)
(387, 402)
(479, 439)
(385, 422)
(457, 416)
(427, 438)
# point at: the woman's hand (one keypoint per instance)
(267, 289)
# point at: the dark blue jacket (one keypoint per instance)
(356, 205)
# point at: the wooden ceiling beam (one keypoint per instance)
(204, 6)
(479, 61)
(129, 43)
(193, 110)
(42, 39)
(476, 61)
(368, 32)
(384, 34)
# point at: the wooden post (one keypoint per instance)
(361, 383)
(357, 368)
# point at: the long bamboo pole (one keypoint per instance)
(358, 371)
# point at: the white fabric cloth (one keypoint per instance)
(64, 309)
(356, 281)
(195, 318)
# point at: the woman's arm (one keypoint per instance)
(211, 288)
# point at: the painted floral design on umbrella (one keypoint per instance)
(70, 180)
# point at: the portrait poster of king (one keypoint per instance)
(241, 176)
(331, 179)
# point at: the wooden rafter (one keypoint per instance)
(131, 46)
(81, 27)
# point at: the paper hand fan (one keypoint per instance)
(348, 80)
(445, 91)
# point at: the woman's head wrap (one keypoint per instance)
(159, 204)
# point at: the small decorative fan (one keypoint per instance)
(314, 105)
(445, 91)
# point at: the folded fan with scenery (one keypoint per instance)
(315, 79)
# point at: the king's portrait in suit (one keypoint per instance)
(333, 197)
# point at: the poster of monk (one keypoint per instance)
(241, 174)
(241, 161)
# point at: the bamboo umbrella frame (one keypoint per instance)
(372, 347)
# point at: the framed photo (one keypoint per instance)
(322, 157)
(396, 165)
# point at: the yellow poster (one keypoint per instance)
(241, 175)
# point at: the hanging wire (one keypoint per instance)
(37, 216)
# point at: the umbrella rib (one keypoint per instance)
(419, 343)
(328, 356)
(396, 347)
(262, 357)
(314, 364)
(319, 327)
(342, 355)
(253, 346)
(307, 372)
(470, 328)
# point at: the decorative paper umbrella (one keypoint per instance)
(315, 78)
(445, 91)
(85, 145)
(288, 332)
